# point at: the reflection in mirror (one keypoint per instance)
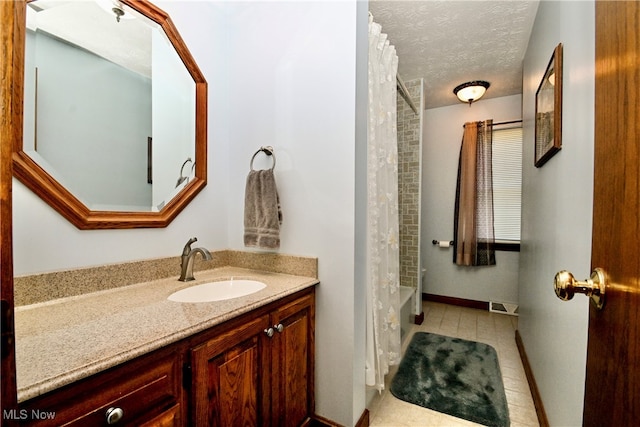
(114, 105)
(92, 106)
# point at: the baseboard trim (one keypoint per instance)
(318, 421)
(364, 419)
(535, 393)
(419, 318)
(469, 303)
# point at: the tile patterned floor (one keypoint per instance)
(497, 330)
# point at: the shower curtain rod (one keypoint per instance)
(405, 93)
(400, 84)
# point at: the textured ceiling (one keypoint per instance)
(452, 42)
(446, 42)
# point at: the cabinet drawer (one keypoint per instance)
(137, 392)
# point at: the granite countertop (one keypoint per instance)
(67, 339)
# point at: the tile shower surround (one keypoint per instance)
(409, 164)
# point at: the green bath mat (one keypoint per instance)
(454, 376)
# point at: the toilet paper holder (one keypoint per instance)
(442, 243)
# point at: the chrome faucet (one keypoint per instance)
(186, 263)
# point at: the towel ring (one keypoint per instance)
(268, 150)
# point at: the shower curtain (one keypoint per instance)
(383, 265)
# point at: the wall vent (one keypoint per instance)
(503, 307)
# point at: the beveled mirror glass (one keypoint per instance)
(114, 113)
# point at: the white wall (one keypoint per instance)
(442, 136)
(557, 211)
(286, 74)
(293, 86)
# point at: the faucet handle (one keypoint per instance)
(187, 247)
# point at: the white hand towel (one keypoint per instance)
(262, 214)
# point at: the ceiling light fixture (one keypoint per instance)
(115, 8)
(471, 91)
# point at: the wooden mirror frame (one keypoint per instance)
(62, 200)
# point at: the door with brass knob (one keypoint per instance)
(612, 383)
(566, 286)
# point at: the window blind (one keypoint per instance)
(507, 183)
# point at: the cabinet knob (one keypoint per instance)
(269, 332)
(113, 415)
(279, 327)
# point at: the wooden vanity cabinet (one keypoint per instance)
(254, 370)
(228, 375)
(292, 363)
(259, 373)
(143, 392)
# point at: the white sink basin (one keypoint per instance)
(217, 291)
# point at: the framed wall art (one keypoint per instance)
(548, 130)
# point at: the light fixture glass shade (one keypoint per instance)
(471, 91)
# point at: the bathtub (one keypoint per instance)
(407, 302)
(407, 318)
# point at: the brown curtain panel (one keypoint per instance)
(474, 239)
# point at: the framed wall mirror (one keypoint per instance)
(115, 113)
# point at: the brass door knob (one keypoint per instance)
(566, 286)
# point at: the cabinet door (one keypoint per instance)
(292, 362)
(169, 418)
(230, 377)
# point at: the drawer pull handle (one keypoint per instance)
(279, 327)
(269, 332)
(113, 415)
